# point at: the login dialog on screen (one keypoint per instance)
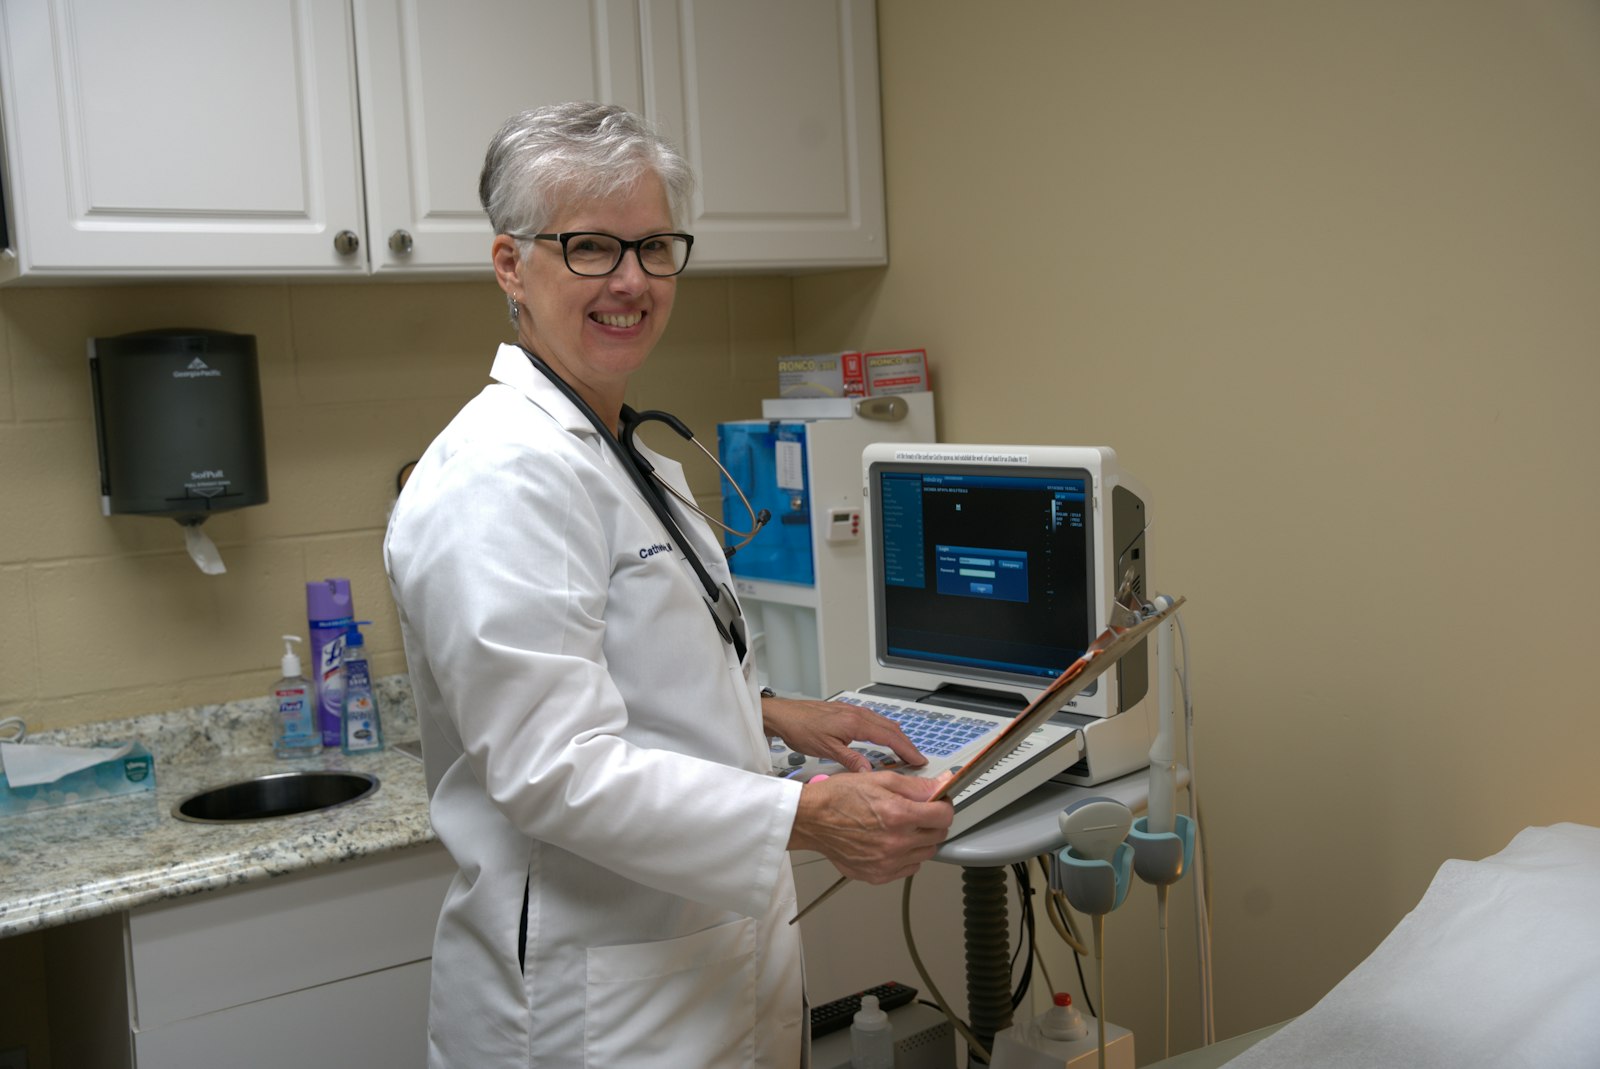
(966, 571)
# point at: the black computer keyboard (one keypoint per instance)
(832, 1016)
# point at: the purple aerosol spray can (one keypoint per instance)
(329, 614)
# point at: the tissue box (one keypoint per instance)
(132, 773)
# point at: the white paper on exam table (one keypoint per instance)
(1498, 965)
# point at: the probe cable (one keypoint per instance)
(1027, 945)
(973, 1046)
(1025, 886)
(1055, 908)
(1202, 876)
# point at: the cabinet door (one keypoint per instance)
(191, 957)
(377, 1019)
(437, 80)
(181, 136)
(775, 102)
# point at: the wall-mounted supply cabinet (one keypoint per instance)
(184, 138)
(804, 586)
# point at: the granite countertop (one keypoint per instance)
(73, 862)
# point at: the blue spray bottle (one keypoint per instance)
(361, 727)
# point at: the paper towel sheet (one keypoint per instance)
(202, 550)
(28, 764)
(1498, 966)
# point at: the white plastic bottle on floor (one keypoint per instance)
(1062, 1020)
(871, 1037)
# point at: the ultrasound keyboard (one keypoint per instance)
(934, 732)
(950, 737)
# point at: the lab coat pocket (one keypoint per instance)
(673, 1003)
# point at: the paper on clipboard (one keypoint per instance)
(1102, 653)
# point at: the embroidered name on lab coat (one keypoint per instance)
(649, 551)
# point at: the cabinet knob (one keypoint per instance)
(400, 242)
(346, 242)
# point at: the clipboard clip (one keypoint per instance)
(1126, 609)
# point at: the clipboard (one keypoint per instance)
(1102, 653)
(1107, 648)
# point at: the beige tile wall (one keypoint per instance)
(106, 617)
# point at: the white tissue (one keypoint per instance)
(202, 551)
(1499, 965)
(29, 764)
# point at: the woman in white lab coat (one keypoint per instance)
(595, 749)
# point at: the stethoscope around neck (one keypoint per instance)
(719, 599)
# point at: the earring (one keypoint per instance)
(515, 311)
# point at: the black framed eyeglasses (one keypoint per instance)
(591, 253)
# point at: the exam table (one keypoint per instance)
(1498, 965)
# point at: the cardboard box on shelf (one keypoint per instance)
(896, 371)
(853, 374)
(818, 375)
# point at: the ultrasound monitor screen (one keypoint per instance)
(981, 573)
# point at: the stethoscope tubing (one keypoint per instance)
(631, 422)
(639, 469)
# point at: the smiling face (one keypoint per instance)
(593, 332)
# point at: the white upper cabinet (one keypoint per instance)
(437, 80)
(775, 102)
(190, 138)
(179, 136)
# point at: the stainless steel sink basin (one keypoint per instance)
(282, 794)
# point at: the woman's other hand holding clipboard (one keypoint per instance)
(875, 827)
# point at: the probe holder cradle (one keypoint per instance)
(1093, 886)
(1161, 858)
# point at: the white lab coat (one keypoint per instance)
(591, 741)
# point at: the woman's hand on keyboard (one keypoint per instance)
(875, 828)
(826, 730)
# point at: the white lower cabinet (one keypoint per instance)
(325, 967)
(377, 1020)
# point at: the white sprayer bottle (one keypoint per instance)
(295, 729)
(871, 1037)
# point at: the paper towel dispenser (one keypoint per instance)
(178, 420)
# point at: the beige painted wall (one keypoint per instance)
(1328, 278)
(102, 618)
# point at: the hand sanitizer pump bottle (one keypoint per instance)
(361, 729)
(871, 1037)
(295, 731)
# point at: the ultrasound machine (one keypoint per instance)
(990, 569)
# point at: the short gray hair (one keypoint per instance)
(544, 157)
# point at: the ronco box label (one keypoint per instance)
(896, 371)
(821, 375)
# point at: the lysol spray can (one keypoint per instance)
(329, 614)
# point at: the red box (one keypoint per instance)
(855, 382)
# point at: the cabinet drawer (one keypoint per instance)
(196, 955)
(378, 1020)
